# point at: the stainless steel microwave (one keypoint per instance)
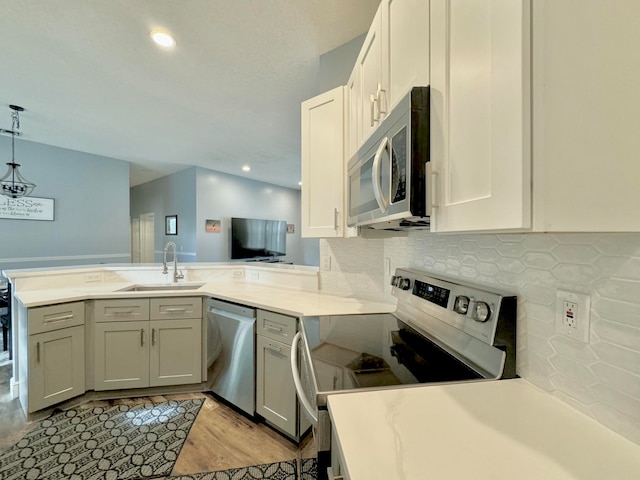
(387, 186)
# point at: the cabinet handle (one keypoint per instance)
(38, 352)
(122, 312)
(380, 92)
(335, 219)
(432, 197)
(275, 349)
(272, 328)
(372, 101)
(142, 337)
(153, 336)
(335, 382)
(61, 317)
(331, 476)
(174, 310)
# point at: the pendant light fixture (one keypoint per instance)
(13, 184)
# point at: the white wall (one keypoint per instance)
(221, 196)
(602, 378)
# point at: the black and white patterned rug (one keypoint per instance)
(103, 443)
(270, 471)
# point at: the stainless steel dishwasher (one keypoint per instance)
(231, 349)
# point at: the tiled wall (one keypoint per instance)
(602, 378)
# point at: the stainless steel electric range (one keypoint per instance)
(443, 331)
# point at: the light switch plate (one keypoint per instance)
(573, 315)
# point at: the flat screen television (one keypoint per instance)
(254, 238)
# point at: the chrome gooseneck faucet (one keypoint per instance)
(176, 275)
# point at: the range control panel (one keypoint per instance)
(470, 308)
(431, 293)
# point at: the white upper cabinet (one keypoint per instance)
(369, 70)
(480, 115)
(323, 165)
(405, 48)
(394, 57)
(586, 74)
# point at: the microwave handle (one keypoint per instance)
(375, 176)
(298, 383)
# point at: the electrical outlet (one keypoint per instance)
(253, 275)
(573, 312)
(93, 277)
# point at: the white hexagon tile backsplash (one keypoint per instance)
(601, 378)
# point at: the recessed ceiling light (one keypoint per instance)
(246, 168)
(163, 38)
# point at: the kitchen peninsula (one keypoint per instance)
(82, 305)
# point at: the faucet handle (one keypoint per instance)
(179, 275)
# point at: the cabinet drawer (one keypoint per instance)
(55, 317)
(276, 326)
(176, 307)
(124, 309)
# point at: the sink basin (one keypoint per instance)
(164, 286)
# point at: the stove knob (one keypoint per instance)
(405, 284)
(461, 305)
(482, 312)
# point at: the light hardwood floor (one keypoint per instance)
(220, 438)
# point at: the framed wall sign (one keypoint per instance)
(26, 208)
(171, 225)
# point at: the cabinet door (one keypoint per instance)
(405, 46)
(323, 165)
(175, 355)
(121, 355)
(369, 66)
(480, 109)
(353, 99)
(56, 367)
(275, 392)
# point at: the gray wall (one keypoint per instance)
(91, 216)
(336, 65)
(198, 194)
(170, 195)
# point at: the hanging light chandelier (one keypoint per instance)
(13, 184)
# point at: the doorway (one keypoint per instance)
(142, 238)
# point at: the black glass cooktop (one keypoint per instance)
(365, 351)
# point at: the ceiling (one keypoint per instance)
(90, 79)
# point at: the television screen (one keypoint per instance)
(253, 238)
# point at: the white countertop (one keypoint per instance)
(278, 299)
(494, 430)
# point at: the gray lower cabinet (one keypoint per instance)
(147, 342)
(276, 399)
(54, 355)
(121, 352)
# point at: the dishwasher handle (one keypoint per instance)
(298, 383)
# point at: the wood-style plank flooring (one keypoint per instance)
(220, 438)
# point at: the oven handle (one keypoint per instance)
(296, 379)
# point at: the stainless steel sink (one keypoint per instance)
(162, 287)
